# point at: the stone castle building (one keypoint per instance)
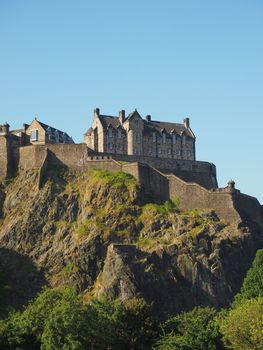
(160, 155)
(36, 133)
(133, 135)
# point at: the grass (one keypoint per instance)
(112, 178)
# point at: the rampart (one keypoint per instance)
(229, 203)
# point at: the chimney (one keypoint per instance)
(187, 122)
(148, 118)
(96, 112)
(122, 116)
(25, 126)
(5, 128)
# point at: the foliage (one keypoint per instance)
(243, 325)
(196, 330)
(253, 283)
(58, 319)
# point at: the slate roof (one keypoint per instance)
(160, 126)
(45, 127)
(149, 126)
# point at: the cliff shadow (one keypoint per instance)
(20, 280)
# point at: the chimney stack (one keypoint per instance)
(5, 128)
(148, 118)
(96, 112)
(187, 123)
(122, 116)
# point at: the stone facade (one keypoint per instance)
(133, 135)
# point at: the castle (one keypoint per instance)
(160, 155)
(135, 136)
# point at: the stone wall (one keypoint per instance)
(229, 204)
(203, 173)
(3, 157)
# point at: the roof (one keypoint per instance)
(88, 132)
(45, 127)
(149, 126)
(160, 126)
(107, 120)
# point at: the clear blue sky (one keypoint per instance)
(59, 59)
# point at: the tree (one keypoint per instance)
(253, 283)
(242, 328)
(196, 330)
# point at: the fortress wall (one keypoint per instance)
(248, 207)
(194, 196)
(154, 183)
(3, 158)
(69, 155)
(31, 157)
(200, 172)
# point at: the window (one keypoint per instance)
(184, 139)
(57, 136)
(64, 136)
(134, 151)
(110, 146)
(136, 122)
(159, 150)
(174, 139)
(154, 136)
(169, 151)
(150, 150)
(110, 132)
(164, 137)
(34, 135)
(119, 147)
(189, 153)
(119, 133)
(49, 134)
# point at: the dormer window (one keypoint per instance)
(154, 136)
(49, 134)
(184, 139)
(110, 132)
(64, 136)
(57, 136)
(174, 139)
(164, 137)
(119, 133)
(34, 135)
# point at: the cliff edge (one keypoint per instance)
(95, 231)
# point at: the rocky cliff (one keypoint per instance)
(95, 231)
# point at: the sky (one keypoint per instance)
(60, 59)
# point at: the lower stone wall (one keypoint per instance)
(200, 172)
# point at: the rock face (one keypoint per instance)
(94, 231)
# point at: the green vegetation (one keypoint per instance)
(253, 283)
(58, 319)
(116, 179)
(196, 330)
